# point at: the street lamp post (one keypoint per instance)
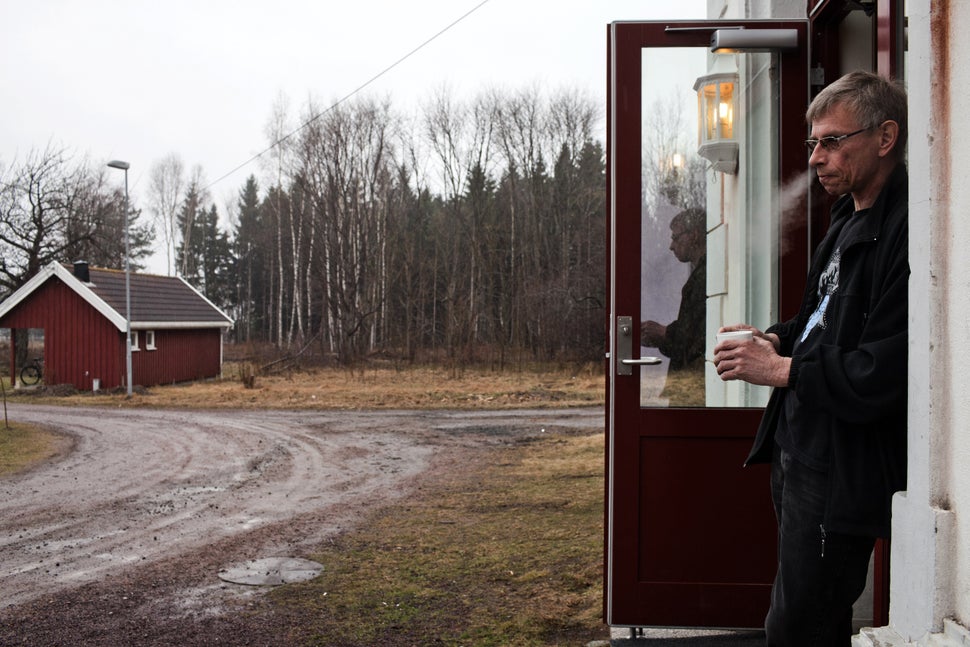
(124, 166)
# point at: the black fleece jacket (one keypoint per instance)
(855, 378)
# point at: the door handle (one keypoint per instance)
(624, 348)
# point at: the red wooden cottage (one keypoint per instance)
(176, 333)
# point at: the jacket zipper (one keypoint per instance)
(822, 528)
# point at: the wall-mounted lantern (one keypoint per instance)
(717, 105)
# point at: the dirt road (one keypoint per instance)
(152, 495)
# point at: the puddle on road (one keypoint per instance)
(271, 571)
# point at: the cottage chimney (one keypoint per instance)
(81, 271)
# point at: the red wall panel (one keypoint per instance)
(180, 356)
(80, 344)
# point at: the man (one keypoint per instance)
(682, 340)
(835, 425)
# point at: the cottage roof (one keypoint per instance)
(157, 302)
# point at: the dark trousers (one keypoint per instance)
(820, 573)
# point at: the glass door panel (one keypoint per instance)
(709, 217)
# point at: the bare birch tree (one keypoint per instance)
(345, 173)
(519, 123)
(166, 185)
(192, 208)
(460, 135)
(279, 132)
(571, 122)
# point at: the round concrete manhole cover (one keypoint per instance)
(271, 571)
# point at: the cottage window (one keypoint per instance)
(149, 340)
(134, 340)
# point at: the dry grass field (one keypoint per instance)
(369, 386)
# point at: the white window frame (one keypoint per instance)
(150, 340)
(134, 341)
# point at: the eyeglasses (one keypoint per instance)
(831, 143)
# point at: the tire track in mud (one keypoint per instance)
(145, 485)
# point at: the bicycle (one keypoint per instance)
(32, 372)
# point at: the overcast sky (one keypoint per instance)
(138, 79)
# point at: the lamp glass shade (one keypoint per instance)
(717, 101)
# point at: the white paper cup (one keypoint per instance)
(735, 335)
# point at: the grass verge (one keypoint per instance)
(23, 445)
(505, 553)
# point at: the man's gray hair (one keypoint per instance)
(870, 98)
(693, 219)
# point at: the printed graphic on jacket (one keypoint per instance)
(828, 284)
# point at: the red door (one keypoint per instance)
(708, 226)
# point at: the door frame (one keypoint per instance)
(626, 41)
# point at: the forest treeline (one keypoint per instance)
(470, 230)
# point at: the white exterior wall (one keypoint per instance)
(930, 560)
(958, 328)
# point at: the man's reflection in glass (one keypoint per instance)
(682, 340)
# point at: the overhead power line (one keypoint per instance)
(350, 94)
